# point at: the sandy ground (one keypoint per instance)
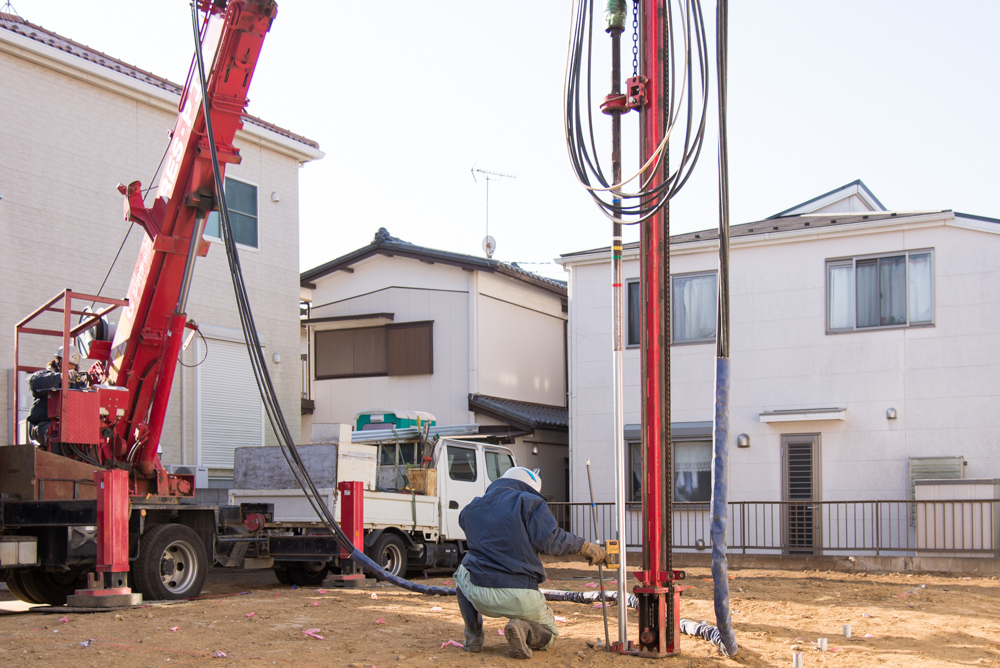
(896, 620)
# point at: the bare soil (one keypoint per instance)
(896, 620)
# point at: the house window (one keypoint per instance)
(694, 304)
(242, 200)
(634, 310)
(692, 471)
(880, 291)
(404, 349)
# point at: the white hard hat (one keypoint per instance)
(74, 356)
(527, 476)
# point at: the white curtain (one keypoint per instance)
(841, 297)
(866, 285)
(694, 307)
(919, 288)
(892, 288)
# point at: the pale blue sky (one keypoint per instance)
(404, 97)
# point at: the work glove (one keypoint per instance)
(595, 554)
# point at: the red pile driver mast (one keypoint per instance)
(149, 335)
(659, 600)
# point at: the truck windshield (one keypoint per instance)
(497, 464)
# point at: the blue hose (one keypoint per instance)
(720, 491)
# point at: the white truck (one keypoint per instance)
(414, 490)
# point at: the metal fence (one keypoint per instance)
(862, 528)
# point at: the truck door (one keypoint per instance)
(464, 479)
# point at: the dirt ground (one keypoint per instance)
(896, 620)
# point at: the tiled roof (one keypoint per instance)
(386, 244)
(15, 24)
(521, 412)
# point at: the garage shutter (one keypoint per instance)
(230, 413)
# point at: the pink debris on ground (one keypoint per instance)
(374, 595)
(64, 620)
(219, 655)
(175, 628)
(500, 631)
(249, 614)
(380, 620)
(561, 619)
(320, 591)
(451, 643)
(436, 609)
(315, 603)
(591, 584)
(313, 633)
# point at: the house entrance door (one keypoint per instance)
(801, 488)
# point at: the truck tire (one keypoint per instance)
(282, 575)
(171, 565)
(52, 588)
(389, 552)
(16, 587)
(307, 573)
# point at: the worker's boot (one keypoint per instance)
(473, 640)
(517, 633)
(538, 636)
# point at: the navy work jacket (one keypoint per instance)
(506, 528)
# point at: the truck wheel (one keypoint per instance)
(283, 578)
(308, 573)
(172, 563)
(52, 588)
(389, 552)
(16, 587)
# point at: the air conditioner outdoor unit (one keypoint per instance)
(200, 473)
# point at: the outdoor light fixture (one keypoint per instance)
(890, 414)
(275, 197)
(534, 449)
(277, 358)
(743, 441)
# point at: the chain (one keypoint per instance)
(635, 38)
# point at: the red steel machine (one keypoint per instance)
(113, 427)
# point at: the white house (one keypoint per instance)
(396, 326)
(864, 353)
(76, 122)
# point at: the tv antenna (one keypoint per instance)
(489, 243)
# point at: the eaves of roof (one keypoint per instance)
(387, 245)
(18, 26)
(521, 413)
(777, 226)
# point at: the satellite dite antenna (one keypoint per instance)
(489, 243)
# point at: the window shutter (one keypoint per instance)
(230, 413)
(411, 349)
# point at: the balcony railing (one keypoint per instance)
(879, 528)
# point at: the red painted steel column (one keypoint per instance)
(112, 526)
(352, 513)
(658, 621)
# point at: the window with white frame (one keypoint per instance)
(693, 308)
(242, 200)
(869, 292)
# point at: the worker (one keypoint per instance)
(44, 381)
(505, 530)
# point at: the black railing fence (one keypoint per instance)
(879, 528)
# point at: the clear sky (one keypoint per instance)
(405, 97)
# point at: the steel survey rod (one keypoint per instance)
(600, 566)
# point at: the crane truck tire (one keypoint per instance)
(16, 587)
(307, 573)
(389, 552)
(172, 563)
(52, 588)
